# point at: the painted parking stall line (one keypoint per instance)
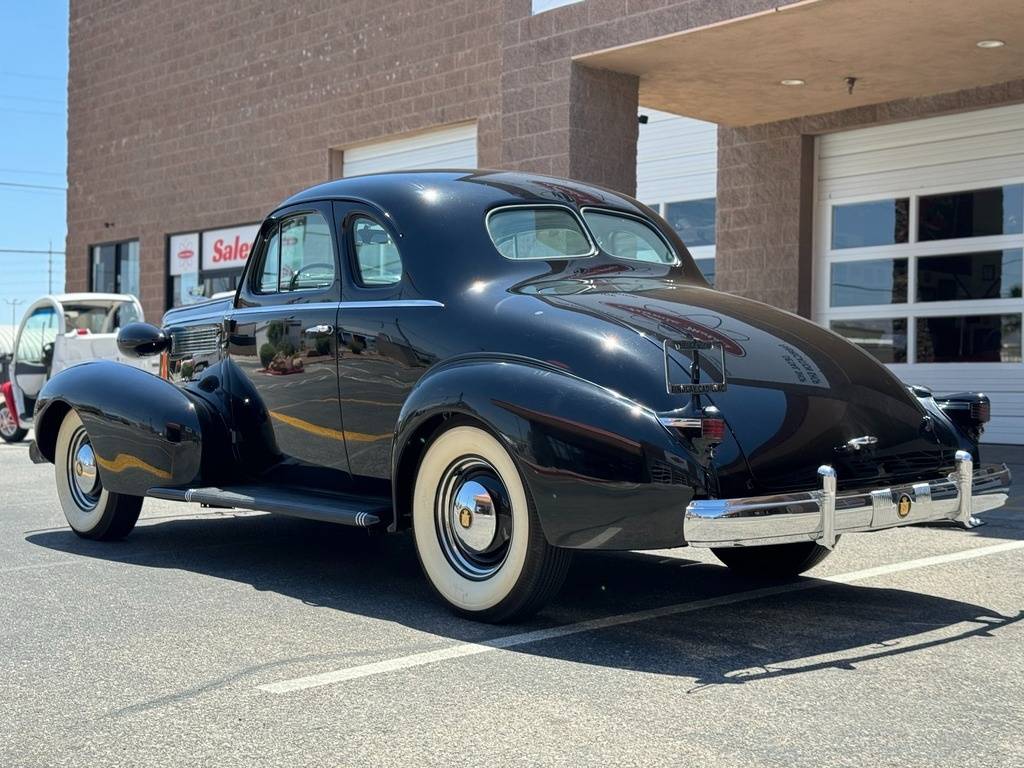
(462, 650)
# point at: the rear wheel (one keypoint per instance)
(773, 561)
(477, 531)
(9, 430)
(91, 510)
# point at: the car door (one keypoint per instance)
(379, 358)
(283, 349)
(33, 355)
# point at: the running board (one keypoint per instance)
(346, 510)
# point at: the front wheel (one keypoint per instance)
(91, 510)
(9, 430)
(773, 561)
(477, 532)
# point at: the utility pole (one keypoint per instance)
(49, 268)
(14, 307)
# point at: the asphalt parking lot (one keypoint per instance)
(218, 638)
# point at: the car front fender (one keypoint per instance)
(602, 470)
(145, 431)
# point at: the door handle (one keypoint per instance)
(319, 330)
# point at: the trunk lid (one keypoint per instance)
(797, 393)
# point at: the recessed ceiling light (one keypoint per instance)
(792, 81)
(990, 43)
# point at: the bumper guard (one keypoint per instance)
(823, 515)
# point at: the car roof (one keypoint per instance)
(482, 189)
(70, 298)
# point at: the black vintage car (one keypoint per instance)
(513, 367)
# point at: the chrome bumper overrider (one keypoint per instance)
(822, 515)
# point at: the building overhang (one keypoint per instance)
(732, 72)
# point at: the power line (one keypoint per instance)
(35, 99)
(21, 250)
(28, 75)
(31, 186)
(30, 112)
(32, 173)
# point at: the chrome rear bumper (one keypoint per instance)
(823, 515)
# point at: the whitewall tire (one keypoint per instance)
(477, 532)
(91, 510)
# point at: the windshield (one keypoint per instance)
(105, 317)
(627, 238)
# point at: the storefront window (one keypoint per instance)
(970, 276)
(974, 213)
(115, 268)
(970, 339)
(694, 220)
(204, 264)
(879, 222)
(878, 281)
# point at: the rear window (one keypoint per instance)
(627, 238)
(537, 233)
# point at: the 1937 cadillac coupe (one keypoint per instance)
(513, 367)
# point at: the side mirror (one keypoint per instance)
(142, 340)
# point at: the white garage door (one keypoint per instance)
(677, 175)
(449, 147)
(919, 235)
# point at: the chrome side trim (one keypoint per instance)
(390, 304)
(329, 305)
(824, 514)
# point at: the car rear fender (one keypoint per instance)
(602, 470)
(145, 431)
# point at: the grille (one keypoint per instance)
(195, 341)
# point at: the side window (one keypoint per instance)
(377, 256)
(298, 257)
(270, 266)
(40, 329)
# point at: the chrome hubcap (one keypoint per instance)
(85, 482)
(474, 518)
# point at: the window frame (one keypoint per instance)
(698, 253)
(594, 250)
(676, 261)
(348, 227)
(248, 293)
(118, 245)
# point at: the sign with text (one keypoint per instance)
(228, 248)
(184, 253)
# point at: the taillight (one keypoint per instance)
(712, 429)
(709, 426)
(981, 412)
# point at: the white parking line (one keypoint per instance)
(523, 638)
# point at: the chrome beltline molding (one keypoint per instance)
(824, 514)
(328, 305)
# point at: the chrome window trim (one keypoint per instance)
(322, 305)
(622, 214)
(533, 206)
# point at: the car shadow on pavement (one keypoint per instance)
(821, 624)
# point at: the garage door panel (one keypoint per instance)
(957, 153)
(449, 147)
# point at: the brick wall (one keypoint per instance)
(205, 113)
(766, 191)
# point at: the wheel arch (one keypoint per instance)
(152, 438)
(585, 453)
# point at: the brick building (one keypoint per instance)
(860, 162)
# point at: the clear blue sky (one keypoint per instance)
(33, 146)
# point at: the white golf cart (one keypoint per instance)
(56, 333)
